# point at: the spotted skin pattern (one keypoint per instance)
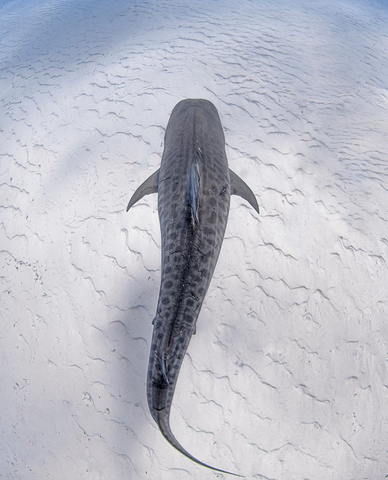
(194, 190)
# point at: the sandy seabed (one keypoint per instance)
(286, 378)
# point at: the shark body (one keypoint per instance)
(194, 185)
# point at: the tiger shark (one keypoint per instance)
(194, 185)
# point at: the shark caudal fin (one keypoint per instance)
(240, 188)
(146, 188)
(162, 419)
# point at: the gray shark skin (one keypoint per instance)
(194, 185)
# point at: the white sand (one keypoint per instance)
(286, 378)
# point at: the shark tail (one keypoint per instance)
(162, 419)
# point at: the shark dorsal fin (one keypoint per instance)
(193, 191)
(163, 365)
(146, 188)
(240, 188)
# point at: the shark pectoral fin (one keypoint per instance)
(239, 187)
(146, 188)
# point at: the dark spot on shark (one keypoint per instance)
(208, 231)
(212, 218)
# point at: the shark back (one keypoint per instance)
(194, 197)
